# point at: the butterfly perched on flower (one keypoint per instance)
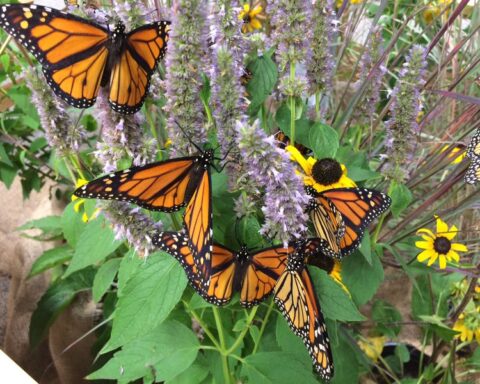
(296, 298)
(168, 186)
(341, 215)
(252, 274)
(79, 56)
(472, 176)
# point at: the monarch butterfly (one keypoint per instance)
(298, 303)
(358, 208)
(252, 274)
(472, 176)
(167, 186)
(79, 56)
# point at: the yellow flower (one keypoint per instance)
(251, 17)
(439, 245)
(332, 266)
(321, 174)
(468, 326)
(456, 155)
(80, 202)
(431, 13)
(372, 346)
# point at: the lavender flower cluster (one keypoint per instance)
(402, 127)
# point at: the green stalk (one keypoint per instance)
(240, 338)
(262, 328)
(203, 325)
(292, 106)
(222, 350)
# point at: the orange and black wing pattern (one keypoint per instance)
(358, 207)
(131, 73)
(328, 223)
(219, 289)
(197, 220)
(261, 274)
(472, 176)
(298, 303)
(163, 186)
(73, 51)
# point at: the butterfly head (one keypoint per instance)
(242, 256)
(118, 31)
(208, 157)
(327, 171)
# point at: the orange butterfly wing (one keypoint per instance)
(130, 78)
(262, 273)
(72, 50)
(298, 303)
(161, 186)
(359, 207)
(220, 288)
(198, 225)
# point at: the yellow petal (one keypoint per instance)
(78, 204)
(459, 247)
(442, 227)
(255, 11)
(80, 182)
(246, 7)
(452, 255)
(427, 254)
(424, 244)
(298, 157)
(255, 24)
(244, 28)
(442, 262)
(433, 258)
(477, 335)
(426, 231)
(84, 217)
(73, 198)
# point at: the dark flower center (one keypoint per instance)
(326, 171)
(325, 263)
(442, 245)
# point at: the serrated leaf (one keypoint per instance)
(324, 140)
(149, 296)
(401, 198)
(50, 259)
(354, 270)
(104, 278)
(291, 343)
(96, 242)
(264, 77)
(128, 266)
(72, 224)
(57, 297)
(335, 302)
(276, 368)
(167, 350)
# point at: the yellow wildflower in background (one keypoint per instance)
(439, 245)
(321, 174)
(80, 202)
(435, 8)
(372, 346)
(469, 326)
(252, 17)
(456, 154)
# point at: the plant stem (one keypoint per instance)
(222, 350)
(204, 326)
(292, 106)
(240, 338)
(262, 328)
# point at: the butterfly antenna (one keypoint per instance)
(188, 137)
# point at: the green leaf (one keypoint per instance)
(276, 367)
(4, 158)
(57, 297)
(50, 259)
(37, 144)
(96, 242)
(50, 226)
(104, 278)
(167, 350)
(324, 140)
(129, 265)
(7, 174)
(335, 302)
(401, 351)
(195, 374)
(366, 247)
(72, 224)
(149, 296)
(401, 198)
(264, 77)
(383, 312)
(437, 325)
(354, 270)
(205, 90)
(291, 343)
(347, 359)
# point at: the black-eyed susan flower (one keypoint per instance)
(79, 202)
(321, 174)
(252, 17)
(332, 266)
(439, 245)
(372, 346)
(455, 154)
(468, 326)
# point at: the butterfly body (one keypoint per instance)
(472, 176)
(79, 56)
